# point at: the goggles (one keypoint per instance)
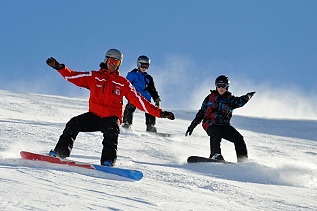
(222, 85)
(113, 61)
(144, 65)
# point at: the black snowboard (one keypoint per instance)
(198, 159)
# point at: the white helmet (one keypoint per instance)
(114, 53)
(143, 60)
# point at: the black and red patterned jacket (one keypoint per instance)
(217, 109)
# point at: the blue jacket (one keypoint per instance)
(143, 83)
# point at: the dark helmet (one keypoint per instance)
(114, 53)
(222, 79)
(143, 60)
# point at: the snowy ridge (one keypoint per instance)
(282, 173)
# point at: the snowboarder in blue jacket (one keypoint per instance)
(144, 84)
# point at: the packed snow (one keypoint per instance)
(281, 173)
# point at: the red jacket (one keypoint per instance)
(107, 91)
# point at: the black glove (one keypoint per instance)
(190, 129)
(168, 115)
(157, 102)
(250, 95)
(53, 63)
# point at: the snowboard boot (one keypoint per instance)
(241, 159)
(151, 128)
(108, 163)
(52, 153)
(127, 125)
(217, 157)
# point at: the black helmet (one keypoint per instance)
(222, 79)
(143, 60)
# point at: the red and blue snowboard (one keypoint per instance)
(127, 173)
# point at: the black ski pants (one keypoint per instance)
(128, 115)
(217, 132)
(89, 122)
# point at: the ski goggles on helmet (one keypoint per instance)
(221, 85)
(144, 65)
(113, 61)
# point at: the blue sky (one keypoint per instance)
(260, 44)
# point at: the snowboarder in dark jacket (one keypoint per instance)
(215, 114)
(144, 84)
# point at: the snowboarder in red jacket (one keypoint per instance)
(215, 114)
(107, 89)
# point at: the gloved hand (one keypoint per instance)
(190, 129)
(158, 102)
(53, 63)
(168, 115)
(250, 94)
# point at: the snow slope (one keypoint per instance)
(282, 174)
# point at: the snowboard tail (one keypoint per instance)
(199, 159)
(127, 173)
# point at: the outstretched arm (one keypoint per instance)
(142, 104)
(80, 79)
(237, 102)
